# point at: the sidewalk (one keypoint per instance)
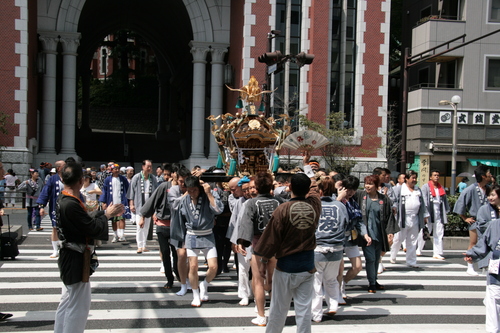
(18, 219)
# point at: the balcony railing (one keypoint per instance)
(437, 17)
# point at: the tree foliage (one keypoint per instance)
(141, 92)
(3, 122)
(339, 154)
(117, 89)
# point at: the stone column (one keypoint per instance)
(216, 107)
(70, 43)
(48, 120)
(199, 51)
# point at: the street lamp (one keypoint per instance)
(455, 100)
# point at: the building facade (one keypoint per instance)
(53, 48)
(471, 72)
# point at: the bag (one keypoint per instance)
(493, 266)
(91, 205)
(425, 234)
(356, 239)
(8, 243)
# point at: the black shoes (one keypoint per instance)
(4, 316)
(373, 288)
(168, 285)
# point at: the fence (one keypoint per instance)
(9, 196)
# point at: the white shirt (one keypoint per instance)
(116, 188)
(412, 203)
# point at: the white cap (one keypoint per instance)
(130, 168)
(53, 170)
(123, 169)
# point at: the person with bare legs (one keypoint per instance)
(115, 191)
(49, 195)
(193, 225)
(351, 249)
(255, 216)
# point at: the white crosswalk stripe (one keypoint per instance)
(128, 296)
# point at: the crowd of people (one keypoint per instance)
(289, 232)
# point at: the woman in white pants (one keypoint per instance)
(488, 245)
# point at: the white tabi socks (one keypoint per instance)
(196, 298)
(55, 246)
(183, 290)
(204, 291)
(470, 270)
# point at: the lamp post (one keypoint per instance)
(455, 100)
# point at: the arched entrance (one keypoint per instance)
(135, 133)
(189, 40)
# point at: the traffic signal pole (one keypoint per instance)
(274, 64)
(267, 97)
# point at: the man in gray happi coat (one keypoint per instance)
(193, 224)
(470, 200)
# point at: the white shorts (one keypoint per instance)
(352, 251)
(208, 252)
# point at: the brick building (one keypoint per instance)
(49, 48)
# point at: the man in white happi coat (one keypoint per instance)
(412, 216)
(141, 187)
(192, 224)
(437, 205)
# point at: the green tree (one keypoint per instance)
(3, 124)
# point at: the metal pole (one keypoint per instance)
(267, 97)
(286, 85)
(404, 107)
(454, 151)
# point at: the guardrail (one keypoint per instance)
(10, 196)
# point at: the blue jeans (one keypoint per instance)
(34, 215)
(372, 255)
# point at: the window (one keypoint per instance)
(451, 9)
(104, 61)
(494, 10)
(343, 58)
(423, 78)
(493, 74)
(295, 48)
(447, 74)
(426, 12)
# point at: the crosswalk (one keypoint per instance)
(128, 296)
